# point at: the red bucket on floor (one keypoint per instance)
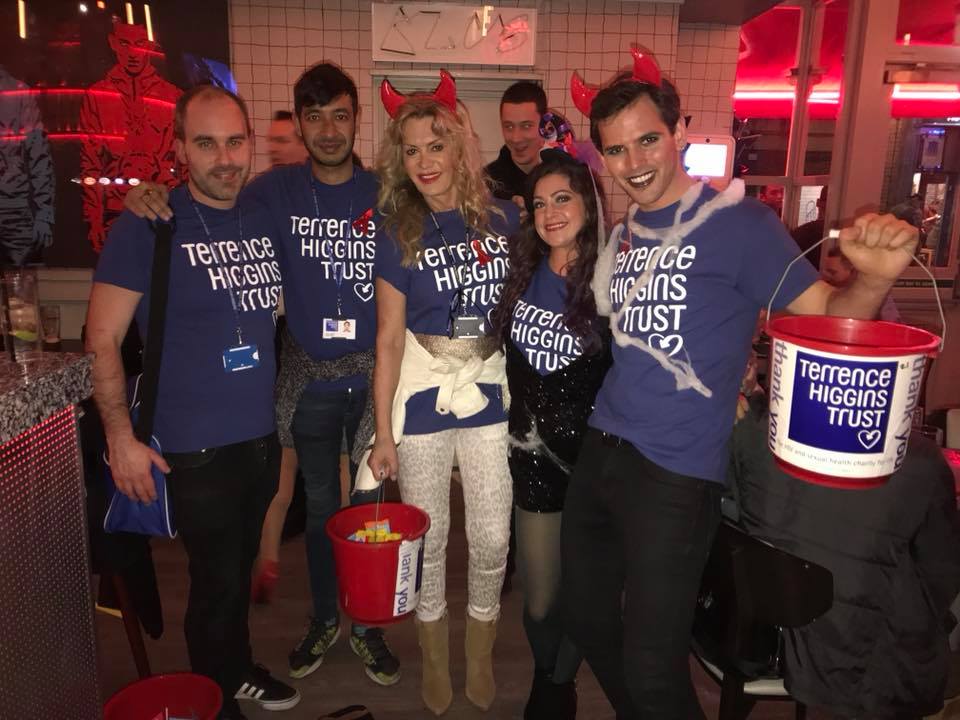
(178, 695)
(379, 583)
(842, 395)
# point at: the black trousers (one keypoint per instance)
(219, 497)
(635, 541)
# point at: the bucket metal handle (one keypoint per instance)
(833, 235)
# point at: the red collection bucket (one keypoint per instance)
(842, 395)
(183, 696)
(379, 583)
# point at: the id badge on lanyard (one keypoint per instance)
(241, 357)
(339, 328)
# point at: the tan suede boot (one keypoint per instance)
(481, 689)
(435, 688)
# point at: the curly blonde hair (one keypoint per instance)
(401, 204)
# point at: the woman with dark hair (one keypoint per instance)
(557, 355)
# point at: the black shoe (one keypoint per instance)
(549, 700)
(310, 651)
(261, 687)
(562, 704)
(536, 708)
(380, 664)
(231, 711)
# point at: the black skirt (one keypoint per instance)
(547, 422)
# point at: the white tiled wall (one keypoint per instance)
(705, 73)
(272, 41)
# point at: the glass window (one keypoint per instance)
(921, 170)
(927, 22)
(763, 96)
(823, 102)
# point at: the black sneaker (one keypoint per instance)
(381, 665)
(231, 711)
(261, 687)
(308, 654)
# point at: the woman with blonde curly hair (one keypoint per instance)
(439, 381)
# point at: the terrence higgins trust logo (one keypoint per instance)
(841, 405)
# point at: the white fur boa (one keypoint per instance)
(671, 237)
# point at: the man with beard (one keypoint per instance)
(214, 419)
(125, 118)
(322, 211)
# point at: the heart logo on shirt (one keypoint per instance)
(364, 291)
(868, 438)
(670, 344)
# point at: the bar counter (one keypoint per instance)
(48, 666)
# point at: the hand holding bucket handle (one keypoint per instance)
(835, 234)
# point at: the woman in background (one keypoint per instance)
(557, 355)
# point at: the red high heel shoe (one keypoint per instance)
(265, 582)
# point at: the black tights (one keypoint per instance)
(538, 557)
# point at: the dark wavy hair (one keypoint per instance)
(527, 249)
(623, 92)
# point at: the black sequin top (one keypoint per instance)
(548, 418)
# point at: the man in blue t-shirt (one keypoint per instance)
(644, 500)
(214, 420)
(322, 213)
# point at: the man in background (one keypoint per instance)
(910, 210)
(521, 108)
(839, 272)
(285, 144)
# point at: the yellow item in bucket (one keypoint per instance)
(375, 531)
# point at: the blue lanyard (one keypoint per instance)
(338, 266)
(231, 290)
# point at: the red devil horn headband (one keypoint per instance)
(645, 70)
(445, 94)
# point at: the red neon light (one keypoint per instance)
(67, 136)
(929, 91)
(826, 97)
(906, 100)
(80, 91)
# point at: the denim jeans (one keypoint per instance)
(219, 497)
(319, 423)
(635, 540)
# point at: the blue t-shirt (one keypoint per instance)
(701, 305)
(480, 262)
(201, 405)
(323, 255)
(537, 328)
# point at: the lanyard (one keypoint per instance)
(338, 266)
(231, 290)
(459, 297)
